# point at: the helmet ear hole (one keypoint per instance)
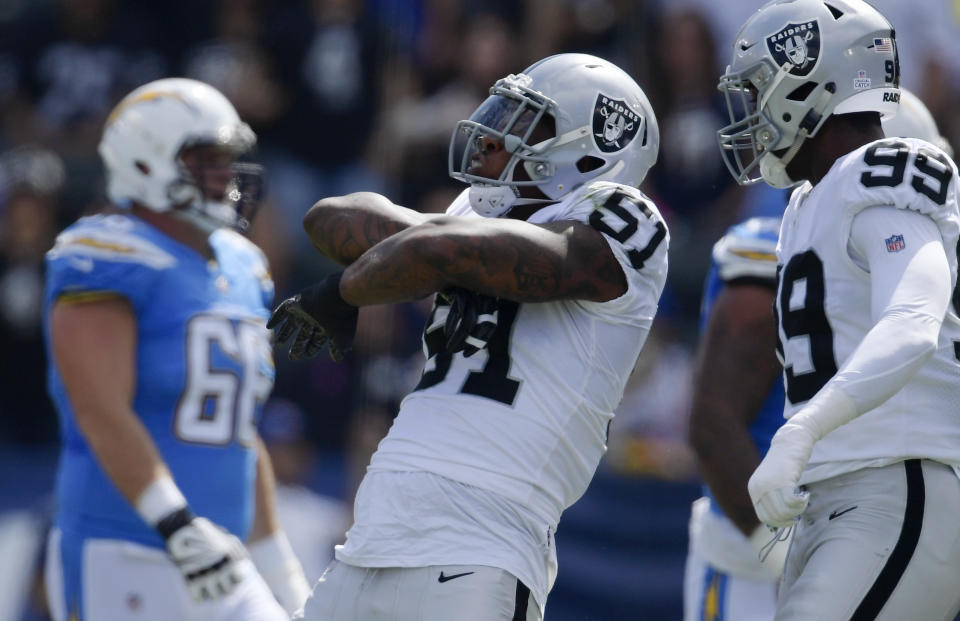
(802, 92)
(589, 162)
(837, 13)
(142, 167)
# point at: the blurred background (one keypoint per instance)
(350, 95)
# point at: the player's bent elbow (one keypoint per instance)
(317, 212)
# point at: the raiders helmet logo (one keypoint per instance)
(798, 45)
(615, 124)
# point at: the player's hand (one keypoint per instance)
(315, 317)
(470, 322)
(773, 487)
(205, 554)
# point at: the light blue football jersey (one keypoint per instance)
(747, 253)
(204, 368)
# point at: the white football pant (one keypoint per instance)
(878, 543)
(441, 592)
(124, 581)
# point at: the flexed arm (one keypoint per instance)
(500, 258)
(503, 258)
(345, 227)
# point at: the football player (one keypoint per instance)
(737, 406)
(160, 361)
(864, 467)
(733, 564)
(565, 260)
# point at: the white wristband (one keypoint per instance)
(161, 498)
(281, 570)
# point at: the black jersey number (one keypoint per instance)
(810, 321)
(615, 206)
(931, 171)
(491, 382)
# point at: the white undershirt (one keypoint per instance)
(910, 292)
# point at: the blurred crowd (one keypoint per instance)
(350, 95)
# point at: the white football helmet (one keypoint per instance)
(143, 140)
(796, 62)
(915, 121)
(604, 129)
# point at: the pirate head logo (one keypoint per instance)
(798, 45)
(615, 124)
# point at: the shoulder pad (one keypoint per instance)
(110, 239)
(109, 254)
(906, 173)
(622, 213)
(748, 250)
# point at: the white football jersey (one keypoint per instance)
(526, 419)
(824, 304)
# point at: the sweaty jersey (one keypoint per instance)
(525, 420)
(824, 304)
(204, 368)
(745, 254)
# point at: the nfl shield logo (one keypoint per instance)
(615, 124)
(895, 243)
(798, 45)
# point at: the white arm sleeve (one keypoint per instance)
(911, 289)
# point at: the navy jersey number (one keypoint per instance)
(491, 382)
(809, 320)
(931, 173)
(615, 206)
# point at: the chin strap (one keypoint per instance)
(808, 125)
(205, 217)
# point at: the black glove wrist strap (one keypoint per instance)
(323, 293)
(172, 522)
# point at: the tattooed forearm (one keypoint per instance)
(588, 269)
(518, 262)
(334, 237)
(344, 228)
(345, 236)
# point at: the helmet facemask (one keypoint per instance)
(511, 116)
(750, 133)
(213, 188)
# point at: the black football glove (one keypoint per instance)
(470, 320)
(315, 317)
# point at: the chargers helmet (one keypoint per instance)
(796, 62)
(603, 129)
(145, 136)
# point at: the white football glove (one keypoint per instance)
(206, 554)
(773, 487)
